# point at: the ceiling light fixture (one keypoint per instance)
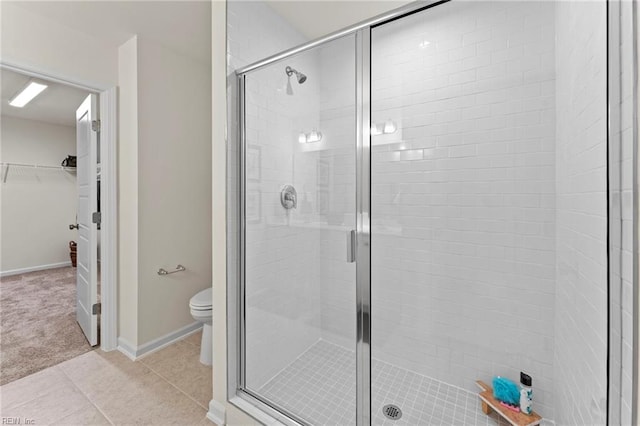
(27, 94)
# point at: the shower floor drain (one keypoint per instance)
(392, 412)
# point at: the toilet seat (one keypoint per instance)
(202, 301)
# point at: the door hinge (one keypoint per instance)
(96, 309)
(95, 125)
(96, 217)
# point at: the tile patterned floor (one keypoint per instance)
(106, 388)
(320, 386)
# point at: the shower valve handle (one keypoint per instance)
(289, 197)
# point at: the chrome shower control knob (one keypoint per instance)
(289, 197)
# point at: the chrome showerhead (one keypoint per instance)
(299, 76)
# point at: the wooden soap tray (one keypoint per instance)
(489, 403)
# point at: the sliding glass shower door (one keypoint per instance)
(298, 119)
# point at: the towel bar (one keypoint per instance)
(163, 271)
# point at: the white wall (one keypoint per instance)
(33, 41)
(174, 186)
(128, 194)
(165, 208)
(37, 204)
(580, 374)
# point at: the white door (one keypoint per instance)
(87, 270)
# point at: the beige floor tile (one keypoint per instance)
(108, 378)
(104, 388)
(33, 386)
(178, 409)
(91, 416)
(194, 339)
(129, 392)
(50, 407)
(157, 403)
(180, 365)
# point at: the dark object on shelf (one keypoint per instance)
(73, 253)
(70, 161)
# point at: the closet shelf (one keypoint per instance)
(19, 166)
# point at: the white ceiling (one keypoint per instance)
(183, 26)
(57, 104)
(316, 18)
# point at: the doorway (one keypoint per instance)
(40, 199)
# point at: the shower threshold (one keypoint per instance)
(320, 387)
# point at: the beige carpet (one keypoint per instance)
(38, 325)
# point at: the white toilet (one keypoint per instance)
(201, 310)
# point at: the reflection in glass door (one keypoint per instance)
(299, 215)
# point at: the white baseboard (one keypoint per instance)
(126, 348)
(217, 413)
(34, 269)
(136, 352)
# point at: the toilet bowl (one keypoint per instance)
(201, 310)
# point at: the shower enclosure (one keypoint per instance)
(407, 213)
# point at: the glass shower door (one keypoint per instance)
(298, 218)
(463, 196)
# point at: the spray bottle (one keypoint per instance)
(526, 394)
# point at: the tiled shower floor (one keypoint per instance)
(320, 386)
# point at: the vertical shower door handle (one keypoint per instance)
(351, 246)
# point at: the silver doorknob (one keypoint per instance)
(72, 226)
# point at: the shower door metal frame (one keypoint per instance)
(363, 227)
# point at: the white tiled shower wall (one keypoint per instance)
(463, 196)
(581, 293)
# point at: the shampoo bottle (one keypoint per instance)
(526, 394)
